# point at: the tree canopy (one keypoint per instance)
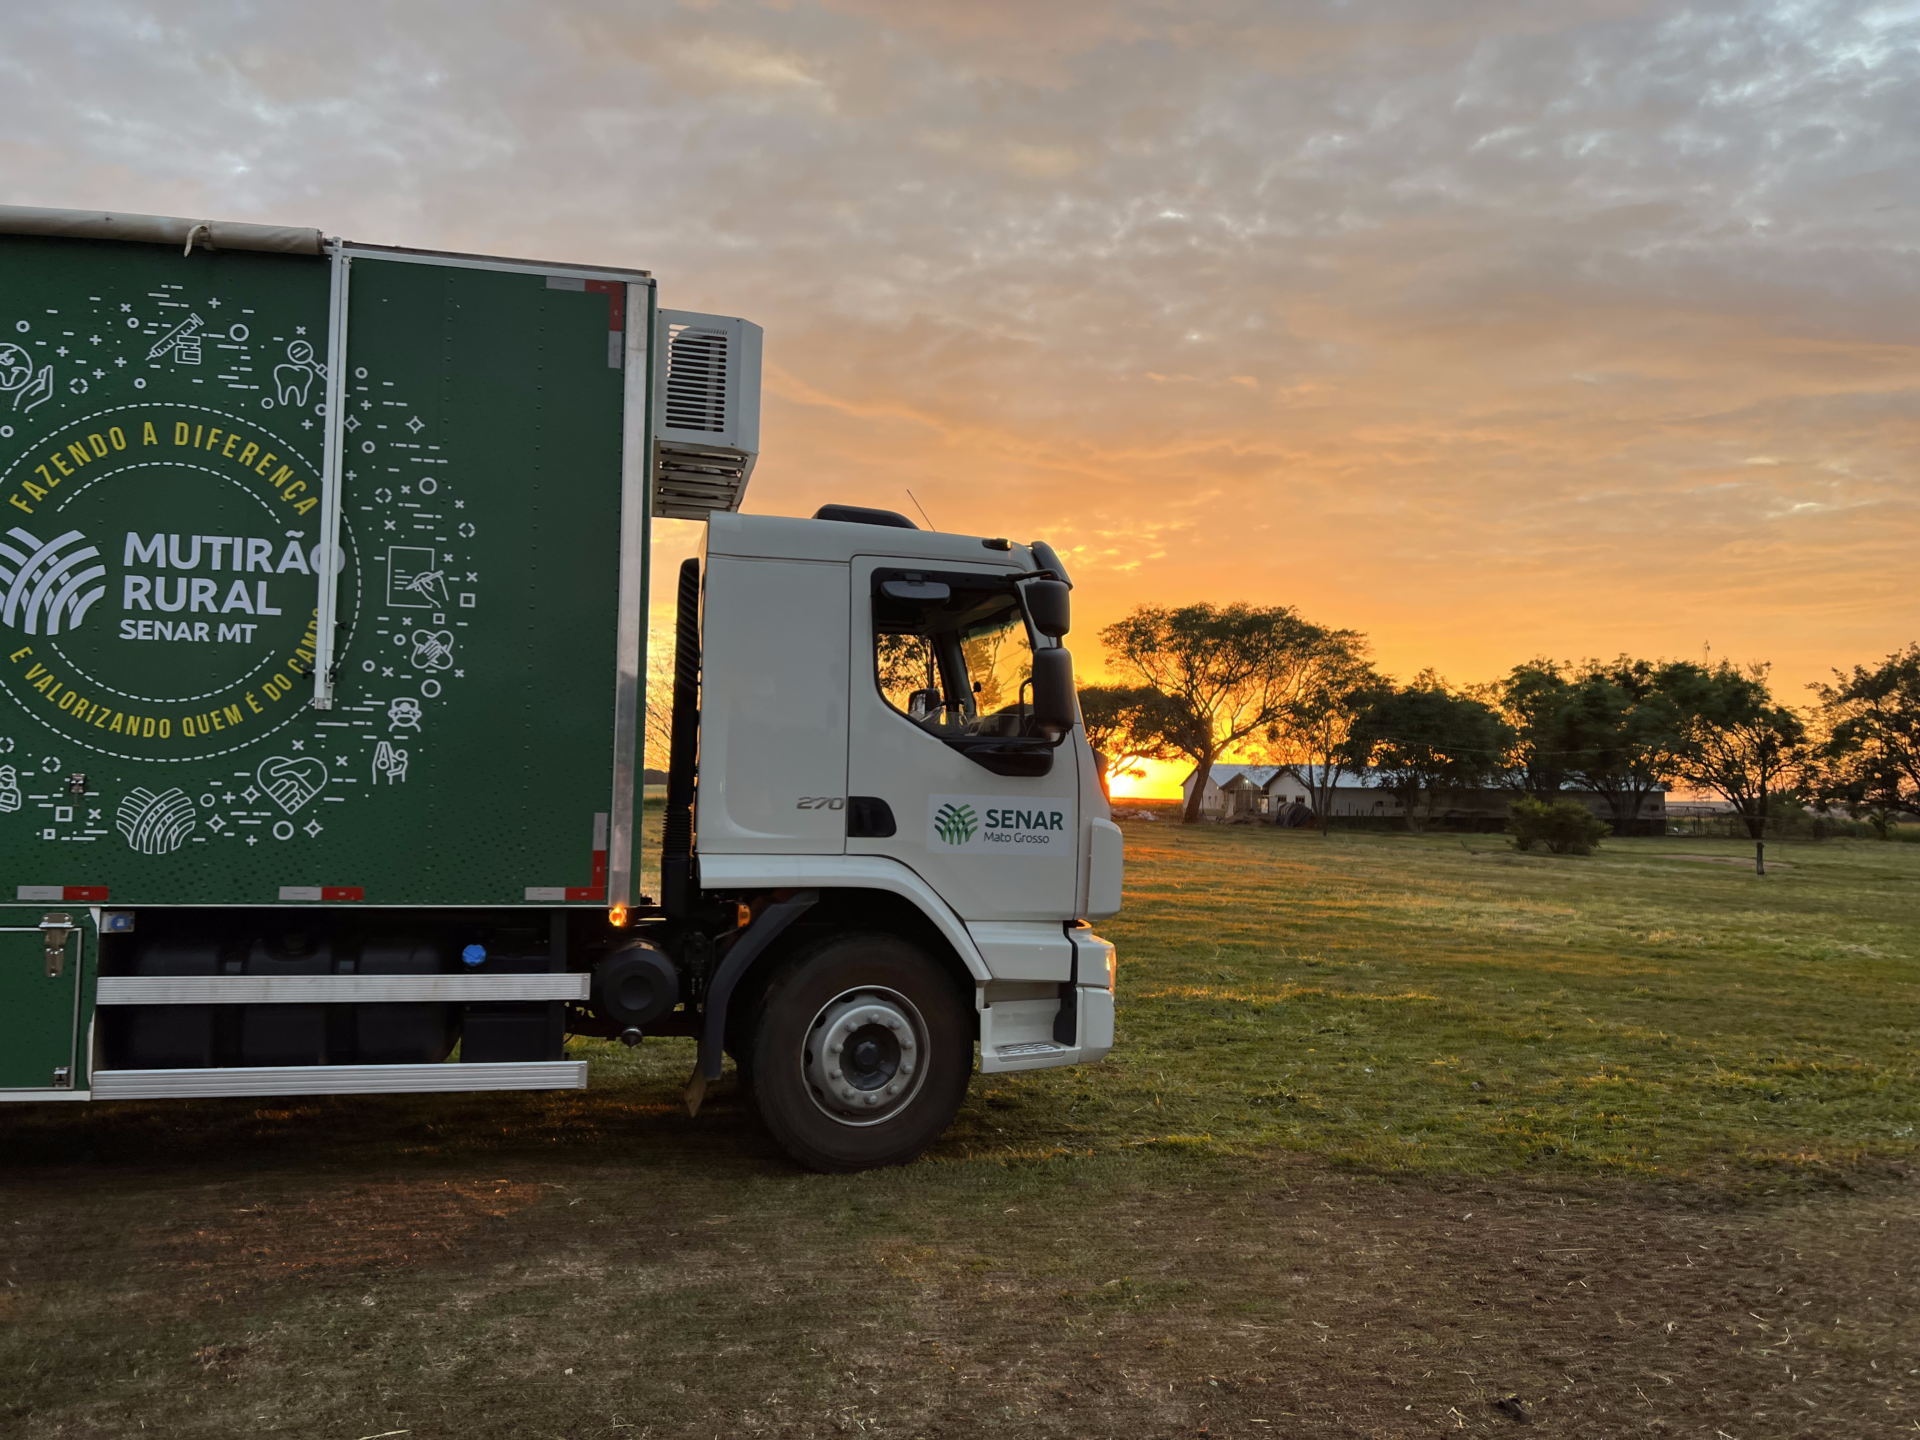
(1227, 672)
(1736, 740)
(1426, 740)
(1538, 702)
(1868, 754)
(1210, 682)
(1127, 724)
(1627, 734)
(1316, 723)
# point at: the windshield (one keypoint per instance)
(952, 652)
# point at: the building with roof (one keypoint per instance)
(1283, 795)
(1268, 792)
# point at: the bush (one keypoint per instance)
(1565, 827)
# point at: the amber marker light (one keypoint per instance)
(617, 916)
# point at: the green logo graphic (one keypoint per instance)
(955, 824)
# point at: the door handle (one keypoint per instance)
(56, 927)
(869, 818)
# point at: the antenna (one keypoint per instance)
(923, 510)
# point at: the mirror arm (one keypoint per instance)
(1043, 575)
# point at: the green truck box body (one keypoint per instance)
(162, 434)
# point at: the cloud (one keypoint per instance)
(1456, 322)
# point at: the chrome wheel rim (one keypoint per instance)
(865, 1056)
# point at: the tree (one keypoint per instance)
(1126, 724)
(1317, 722)
(1537, 700)
(1625, 734)
(1735, 740)
(1227, 672)
(1868, 755)
(1425, 741)
(656, 741)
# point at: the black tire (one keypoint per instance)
(901, 1021)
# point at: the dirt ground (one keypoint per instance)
(322, 1281)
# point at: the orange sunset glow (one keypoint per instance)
(1492, 331)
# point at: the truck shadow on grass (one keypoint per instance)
(633, 1116)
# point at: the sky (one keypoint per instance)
(1492, 330)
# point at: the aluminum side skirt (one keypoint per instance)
(333, 989)
(339, 1080)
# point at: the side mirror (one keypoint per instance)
(1049, 607)
(1055, 707)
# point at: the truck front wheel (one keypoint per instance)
(862, 1053)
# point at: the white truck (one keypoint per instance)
(323, 591)
(889, 761)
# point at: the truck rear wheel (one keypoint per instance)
(862, 1053)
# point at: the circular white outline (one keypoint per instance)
(434, 693)
(238, 331)
(276, 830)
(427, 484)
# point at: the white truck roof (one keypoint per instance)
(783, 537)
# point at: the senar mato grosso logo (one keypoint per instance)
(1000, 823)
(158, 582)
(955, 824)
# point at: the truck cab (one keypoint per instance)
(886, 722)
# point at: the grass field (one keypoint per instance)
(1396, 1127)
(1445, 1004)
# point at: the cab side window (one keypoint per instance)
(953, 654)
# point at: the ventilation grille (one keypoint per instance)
(690, 482)
(697, 379)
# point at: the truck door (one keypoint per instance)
(40, 954)
(944, 770)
